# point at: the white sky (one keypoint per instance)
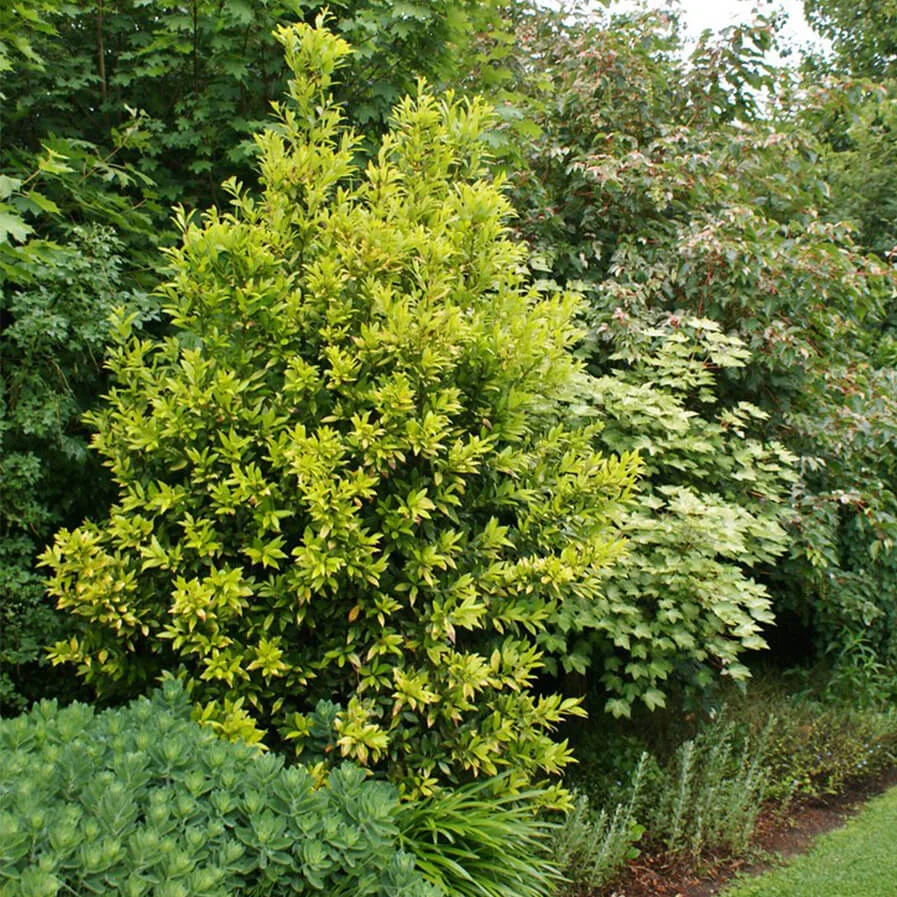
(700, 14)
(715, 14)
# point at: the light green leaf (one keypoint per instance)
(13, 226)
(8, 186)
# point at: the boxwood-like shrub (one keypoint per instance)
(143, 801)
(353, 471)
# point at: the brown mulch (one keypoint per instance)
(777, 835)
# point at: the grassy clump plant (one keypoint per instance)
(474, 841)
(352, 474)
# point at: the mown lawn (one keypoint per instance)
(859, 860)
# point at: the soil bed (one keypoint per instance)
(777, 835)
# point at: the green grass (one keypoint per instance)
(859, 860)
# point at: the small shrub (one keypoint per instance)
(141, 801)
(589, 848)
(709, 775)
(714, 792)
(817, 750)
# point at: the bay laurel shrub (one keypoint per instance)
(141, 800)
(353, 471)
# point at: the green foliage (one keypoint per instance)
(682, 604)
(857, 126)
(684, 784)
(590, 848)
(49, 353)
(141, 801)
(767, 744)
(349, 474)
(609, 751)
(862, 32)
(703, 778)
(810, 743)
(857, 860)
(472, 841)
(200, 76)
(856, 676)
(845, 537)
(841, 581)
(664, 189)
(74, 230)
(104, 108)
(715, 792)
(816, 749)
(56, 292)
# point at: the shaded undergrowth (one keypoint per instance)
(690, 784)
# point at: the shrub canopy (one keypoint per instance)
(352, 472)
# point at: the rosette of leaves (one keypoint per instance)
(140, 800)
(348, 474)
(707, 521)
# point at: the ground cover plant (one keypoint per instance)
(141, 800)
(591, 845)
(818, 748)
